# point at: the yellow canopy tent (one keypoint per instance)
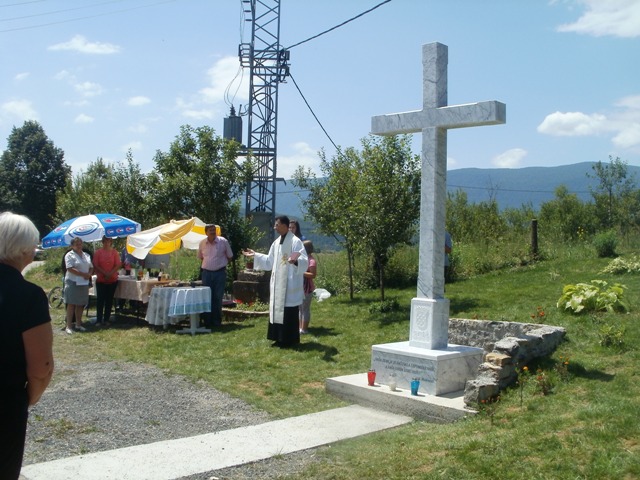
(167, 238)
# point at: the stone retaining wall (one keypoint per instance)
(507, 345)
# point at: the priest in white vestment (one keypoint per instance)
(287, 260)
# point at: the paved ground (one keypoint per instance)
(204, 453)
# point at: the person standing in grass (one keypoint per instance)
(287, 260)
(106, 263)
(26, 342)
(215, 253)
(309, 287)
(76, 284)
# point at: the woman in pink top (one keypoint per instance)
(106, 263)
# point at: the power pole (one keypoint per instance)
(268, 66)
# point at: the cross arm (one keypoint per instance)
(455, 116)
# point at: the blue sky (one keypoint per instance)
(103, 77)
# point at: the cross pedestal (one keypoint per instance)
(441, 368)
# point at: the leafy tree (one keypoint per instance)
(330, 200)
(32, 171)
(199, 176)
(477, 222)
(566, 217)
(369, 200)
(114, 188)
(389, 201)
(85, 192)
(130, 193)
(615, 185)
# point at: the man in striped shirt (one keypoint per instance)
(215, 253)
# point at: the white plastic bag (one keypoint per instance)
(321, 294)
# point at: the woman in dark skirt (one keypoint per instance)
(76, 284)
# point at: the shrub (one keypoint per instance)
(605, 244)
(596, 296)
(384, 306)
(623, 265)
(612, 336)
(252, 306)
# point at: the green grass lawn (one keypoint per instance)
(587, 427)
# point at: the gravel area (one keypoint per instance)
(92, 407)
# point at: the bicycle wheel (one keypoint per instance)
(55, 297)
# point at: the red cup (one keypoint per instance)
(371, 376)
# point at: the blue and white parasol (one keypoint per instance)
(90, 228)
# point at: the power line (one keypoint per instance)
(313, 113)
(58, 11)
(338, 26)
(85, 17)
(21, 3)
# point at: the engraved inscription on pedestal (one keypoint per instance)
(439, 371)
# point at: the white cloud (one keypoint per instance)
(63, 75)
(21, 76)
(619, 18)
(190, 110)
(225, 75)
(89, 89)
(21, 110)
(198, 114)
(510, 158)
(138, 101)
(225, 84)
(629, 137)
(622, 122)
(632, 101)
(626, 121)
(572, 124)
(82, 118)
(303, 155)
(80, 44)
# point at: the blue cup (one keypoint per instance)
(415, 385)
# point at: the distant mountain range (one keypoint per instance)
(510, 187)
(515, 187)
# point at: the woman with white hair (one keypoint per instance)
(26, 342)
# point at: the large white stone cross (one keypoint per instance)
(430, 310)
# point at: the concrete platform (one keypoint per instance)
(438, 409)
(205, 453)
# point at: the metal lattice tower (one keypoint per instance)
(268, 67)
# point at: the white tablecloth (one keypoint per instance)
(158, 307)
(186, 301)
(170, 305)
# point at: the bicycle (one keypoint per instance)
(56, 297)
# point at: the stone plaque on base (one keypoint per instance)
(439, 371)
